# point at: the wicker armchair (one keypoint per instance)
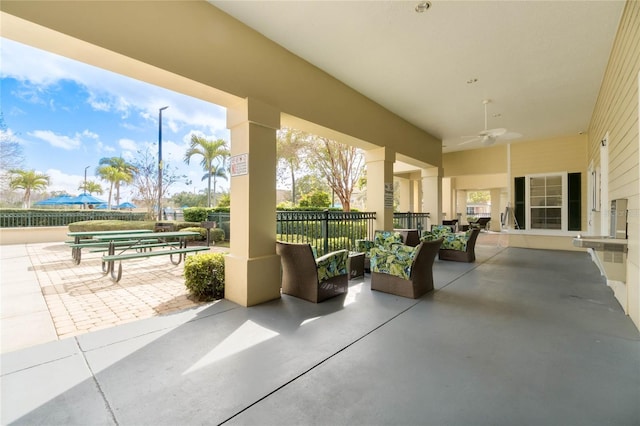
(404, 271)
(309, 278)
(380, 239)
(458, 247)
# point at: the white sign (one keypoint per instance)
(388, 195)
(239, 165)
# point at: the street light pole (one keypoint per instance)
(85, 183)
(85, 178)
(160, 163)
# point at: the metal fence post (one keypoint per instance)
(325, 231)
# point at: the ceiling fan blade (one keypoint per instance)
(510, 136)
(494, 133)
(473, 139)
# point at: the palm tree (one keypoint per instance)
(116, 171)
(29, 180)
(212, 152)
(218, 171)
(91, 187)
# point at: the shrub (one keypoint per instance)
(195, 214)
(217, 235)
(201, 231)
(204, 276)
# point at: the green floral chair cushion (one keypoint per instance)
(332, 265)
(387, 238)
(450, 241)
(437, 231)
(363, 246)
(394, 261)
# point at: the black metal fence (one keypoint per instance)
(334, 230)
(29, 218)
(411, 220)
(325, 230)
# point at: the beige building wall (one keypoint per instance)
(617, 114)
(564, 154)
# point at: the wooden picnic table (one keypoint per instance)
(88, 236)
(130, 241)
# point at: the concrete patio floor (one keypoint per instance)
(526, 337)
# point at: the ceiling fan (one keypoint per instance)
(490, 136)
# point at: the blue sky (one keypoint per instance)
(67, 115)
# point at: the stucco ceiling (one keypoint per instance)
(539, 62)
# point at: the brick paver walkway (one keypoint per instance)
(81, 299)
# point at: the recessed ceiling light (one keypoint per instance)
(423, 6)
(472, 80)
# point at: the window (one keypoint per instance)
(548, 202)
(545, 202)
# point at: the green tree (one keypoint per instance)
(214, 154)
(311, 183)
(145, 180)
(341, 165)
(116, 171)
(315, 199)
(224, 200)
(189, 199)
(91, 187)
(291, 147)
(29, 180)
(478, 197)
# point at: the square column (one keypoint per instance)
(496, 209)
(252, 268)
(432, 193)
(461, 206)
(379, 183)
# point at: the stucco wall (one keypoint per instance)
(49, 234)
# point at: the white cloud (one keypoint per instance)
(58, 141)
(60, 181)
(62, 141)
(128, 145)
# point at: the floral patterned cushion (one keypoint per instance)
(332, 265)
(396, 261)
(455, 242)
(387, 238)
(450, 241)
(363, 246)
(437, 231)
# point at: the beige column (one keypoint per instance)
(252, 268)
(404, 194)
(432, 193)
(461, 206)
(496, 209)
(380, 185)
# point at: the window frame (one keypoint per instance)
(564, 208)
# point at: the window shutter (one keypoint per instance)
(519, 208)
(575, 201)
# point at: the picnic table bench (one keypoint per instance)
(83, 239)
(115, 241)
